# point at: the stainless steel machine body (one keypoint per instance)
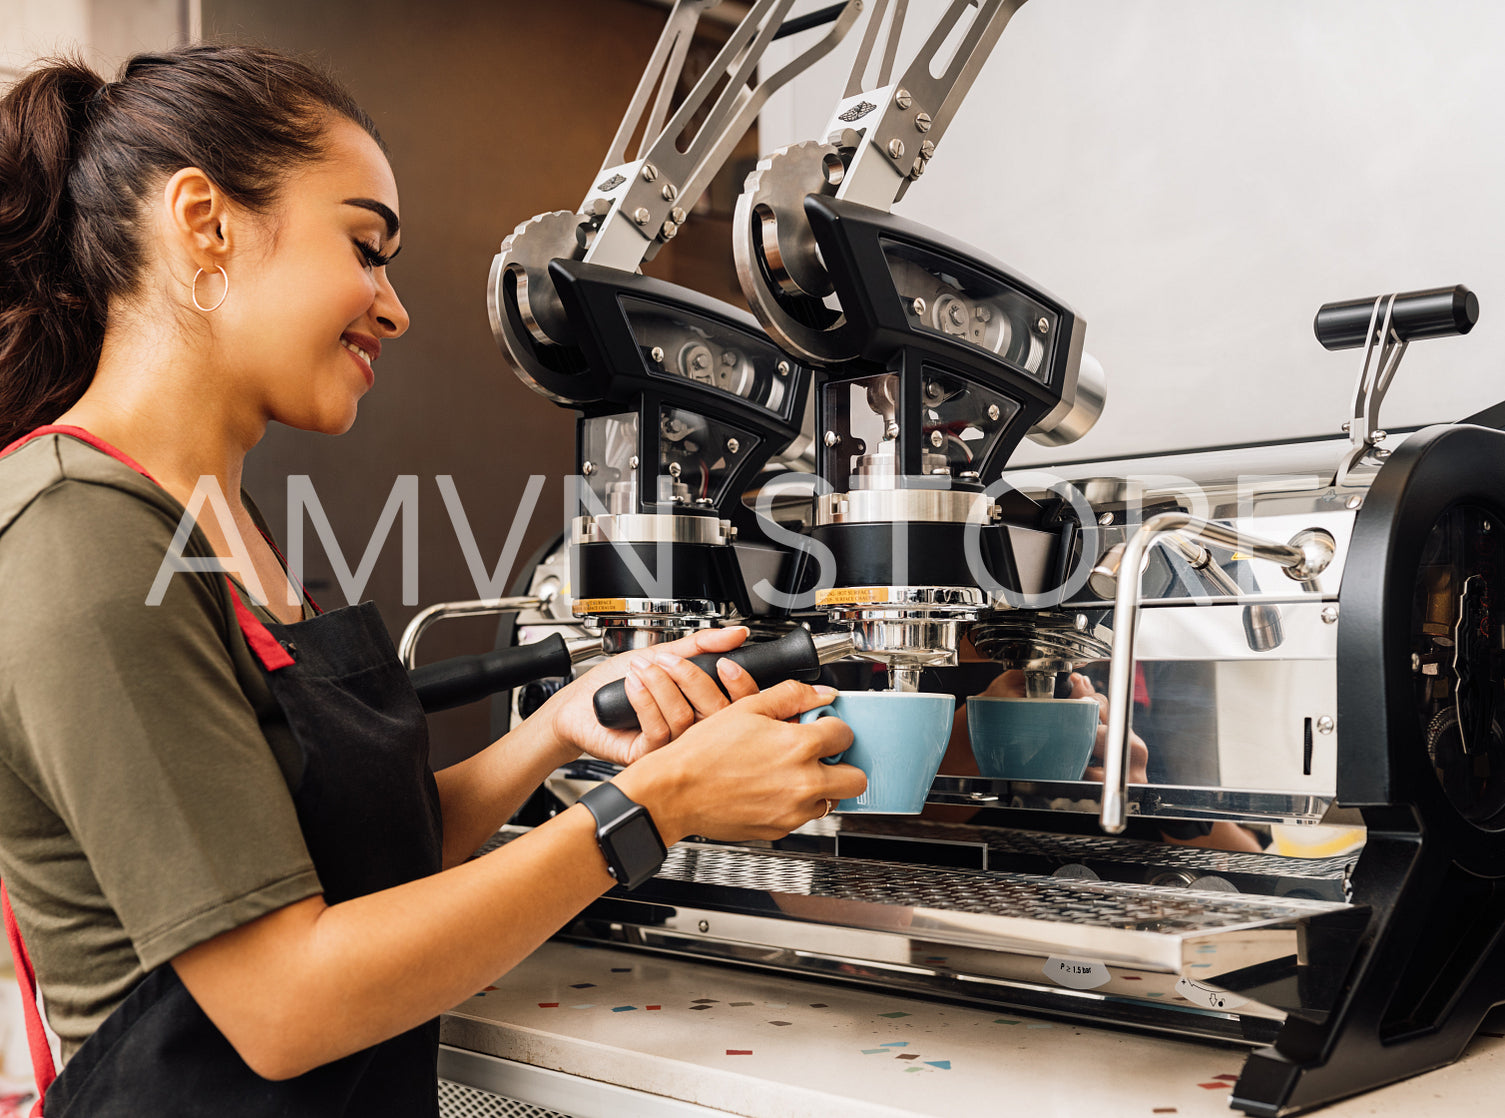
(1301, 636)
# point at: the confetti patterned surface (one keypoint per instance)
(764, 1046)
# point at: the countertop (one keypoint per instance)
(767, 1046)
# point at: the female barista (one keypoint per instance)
(242, 890)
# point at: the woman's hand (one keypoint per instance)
(1139, 753)
(746, 772)
(668, 693)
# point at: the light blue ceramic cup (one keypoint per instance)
(1032, 739)
(898, 740)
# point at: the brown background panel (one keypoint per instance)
(493, 111)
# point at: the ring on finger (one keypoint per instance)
(830, 806)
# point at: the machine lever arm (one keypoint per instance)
(641, 202)
(796, 655)
(467, 679)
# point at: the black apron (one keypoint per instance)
(369, 810)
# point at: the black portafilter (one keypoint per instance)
(467, 679)
(1435, 313)
(796, 655)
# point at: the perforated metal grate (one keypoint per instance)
(1105, 904)
(1055, 900)
(456, 1100)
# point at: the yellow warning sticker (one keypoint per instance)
(852, 596)
(599, 605)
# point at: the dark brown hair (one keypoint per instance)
(78, 157)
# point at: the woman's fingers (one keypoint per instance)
(738, 684)
(788, 699)
(655, 729)
(673, 708)
(699, 690)
(707, 640)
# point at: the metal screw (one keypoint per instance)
(896, 148)
(903, 99)
(632, 463)
(1355, 502)
(1325, 724)
(1080, 622)
(701, 360)
(1380, 436)
(918, 169)
(1105, 519)
(587, 468)
(600, 207)
(1043, 325)
(927, 149)
(782, 368)
(668, 231)
(831, 438)
(732, 446)
(993, 412)
(891, 431)
(1486, 527)
(669, 192)
(674, 469)
(641, 215)
(704, 925)
(657, 353)
(983, 314)
(678, 214)
(922, 122)
(1330, 615)
(936, 438)
(650, 172)
(1347, 427)
(919, 306)
(1382, 454)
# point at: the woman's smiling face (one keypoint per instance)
(309, 302)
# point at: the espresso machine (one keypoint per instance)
(1300, 635)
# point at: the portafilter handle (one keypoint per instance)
(796, 655)
(468, 679)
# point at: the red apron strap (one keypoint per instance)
(271, 543)
(82, 436)
(42, 1067)
(266, 647)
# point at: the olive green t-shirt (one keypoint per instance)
(144, 764)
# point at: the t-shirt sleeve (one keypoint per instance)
(136, 729)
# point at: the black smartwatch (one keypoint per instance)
(629, 841)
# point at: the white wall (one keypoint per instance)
(104, 31)
(1198, 176)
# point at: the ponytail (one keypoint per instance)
(79, 158)
(50, 330)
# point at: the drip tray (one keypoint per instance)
(781, 908)
(1144, 927)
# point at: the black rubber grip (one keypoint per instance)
(791, 656)
(466, 679)
(1416, 314)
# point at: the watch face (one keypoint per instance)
(637, 844)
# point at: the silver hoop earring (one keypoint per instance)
(194, 290)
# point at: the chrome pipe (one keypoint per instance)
(1304, 558)
(407, 647)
